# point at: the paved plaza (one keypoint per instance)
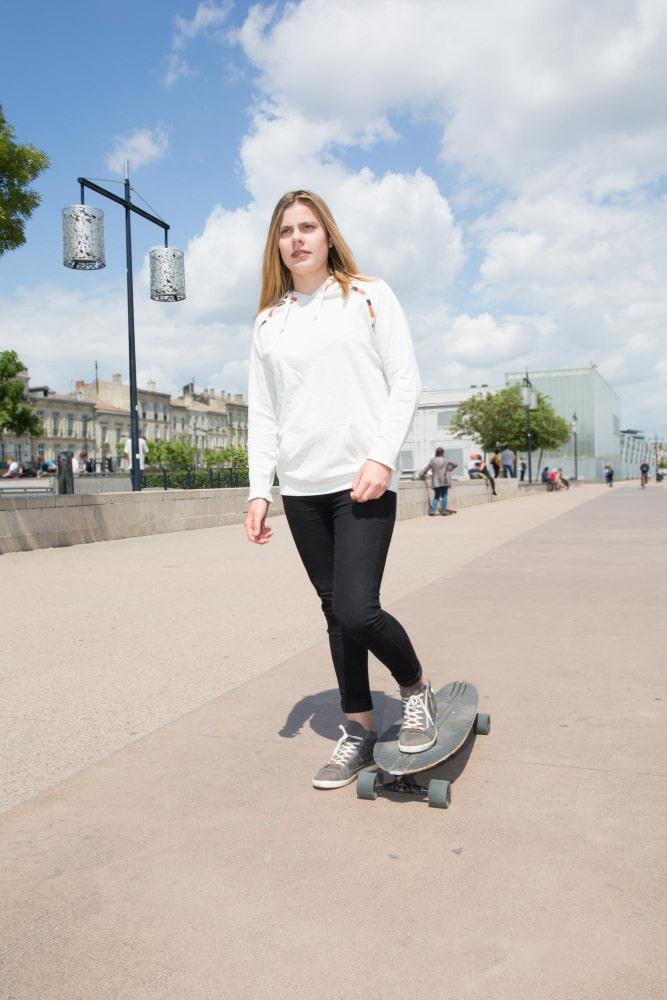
(165, 701)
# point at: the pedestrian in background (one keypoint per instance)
(609, 475)
(495, 465)
(441, 471)
(142, 451)
(508, 458)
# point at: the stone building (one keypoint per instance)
(95, 419)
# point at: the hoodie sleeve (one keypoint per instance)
(262, 427)
(394, 344)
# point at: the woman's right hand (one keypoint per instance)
(257, 529)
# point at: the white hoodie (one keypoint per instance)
(333, 382)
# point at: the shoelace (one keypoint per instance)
(416, 714)
(346, 747)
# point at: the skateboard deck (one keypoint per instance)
(456, 717)
(457, 709)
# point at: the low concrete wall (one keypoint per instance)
(51, 521)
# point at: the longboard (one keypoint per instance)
(456, 716)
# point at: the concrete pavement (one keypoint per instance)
(197, 861)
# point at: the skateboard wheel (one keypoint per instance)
(439, 793)
(483, 724)
(367, 785)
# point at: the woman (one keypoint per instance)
(332, 391)
(441, 471)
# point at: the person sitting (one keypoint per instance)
(544, 476)
(477, 470)
(562, 480)
(13, 468)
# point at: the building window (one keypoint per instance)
(84, 426)
(103, 432)
(40, 452)
(56, 425)
(455, 455)
(617, 424)
(70, 424)
(406, 461)
(445, 417)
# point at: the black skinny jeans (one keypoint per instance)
(343, 544)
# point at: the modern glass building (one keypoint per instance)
(582, 392)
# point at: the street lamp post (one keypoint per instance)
(83, 249)
(529, 402)
(575, 430)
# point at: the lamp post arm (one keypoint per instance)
(125, 202)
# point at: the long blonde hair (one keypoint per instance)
(276, 278)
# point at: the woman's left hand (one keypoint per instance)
(371, 482)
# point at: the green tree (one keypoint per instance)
(19, 166)
(156, 454)
(16, 414)
(234, 458)
(174, 454)
(498, 420)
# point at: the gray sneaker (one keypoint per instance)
(352, 753)
(419, 730)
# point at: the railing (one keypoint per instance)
(193, 479)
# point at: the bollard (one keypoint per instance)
(65, 475)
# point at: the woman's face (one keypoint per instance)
(303, 243)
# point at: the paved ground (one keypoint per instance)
(196, 860)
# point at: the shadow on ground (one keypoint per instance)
(322, 712)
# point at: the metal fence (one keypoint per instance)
(193, 479)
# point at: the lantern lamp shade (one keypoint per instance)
(83, 237)
(167, 274)
(528, 397)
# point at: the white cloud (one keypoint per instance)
(176, 68)
(481, 342)
(514, 85)
(140, 147)
(207, 19)
(398, 225)
(555, 117)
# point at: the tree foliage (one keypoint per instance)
(234, 458)
(16, 414)
(19, 166)
(498, 420)
(179, 454)
(174, 454)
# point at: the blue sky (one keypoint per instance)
(77, 74)
(501, 165)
